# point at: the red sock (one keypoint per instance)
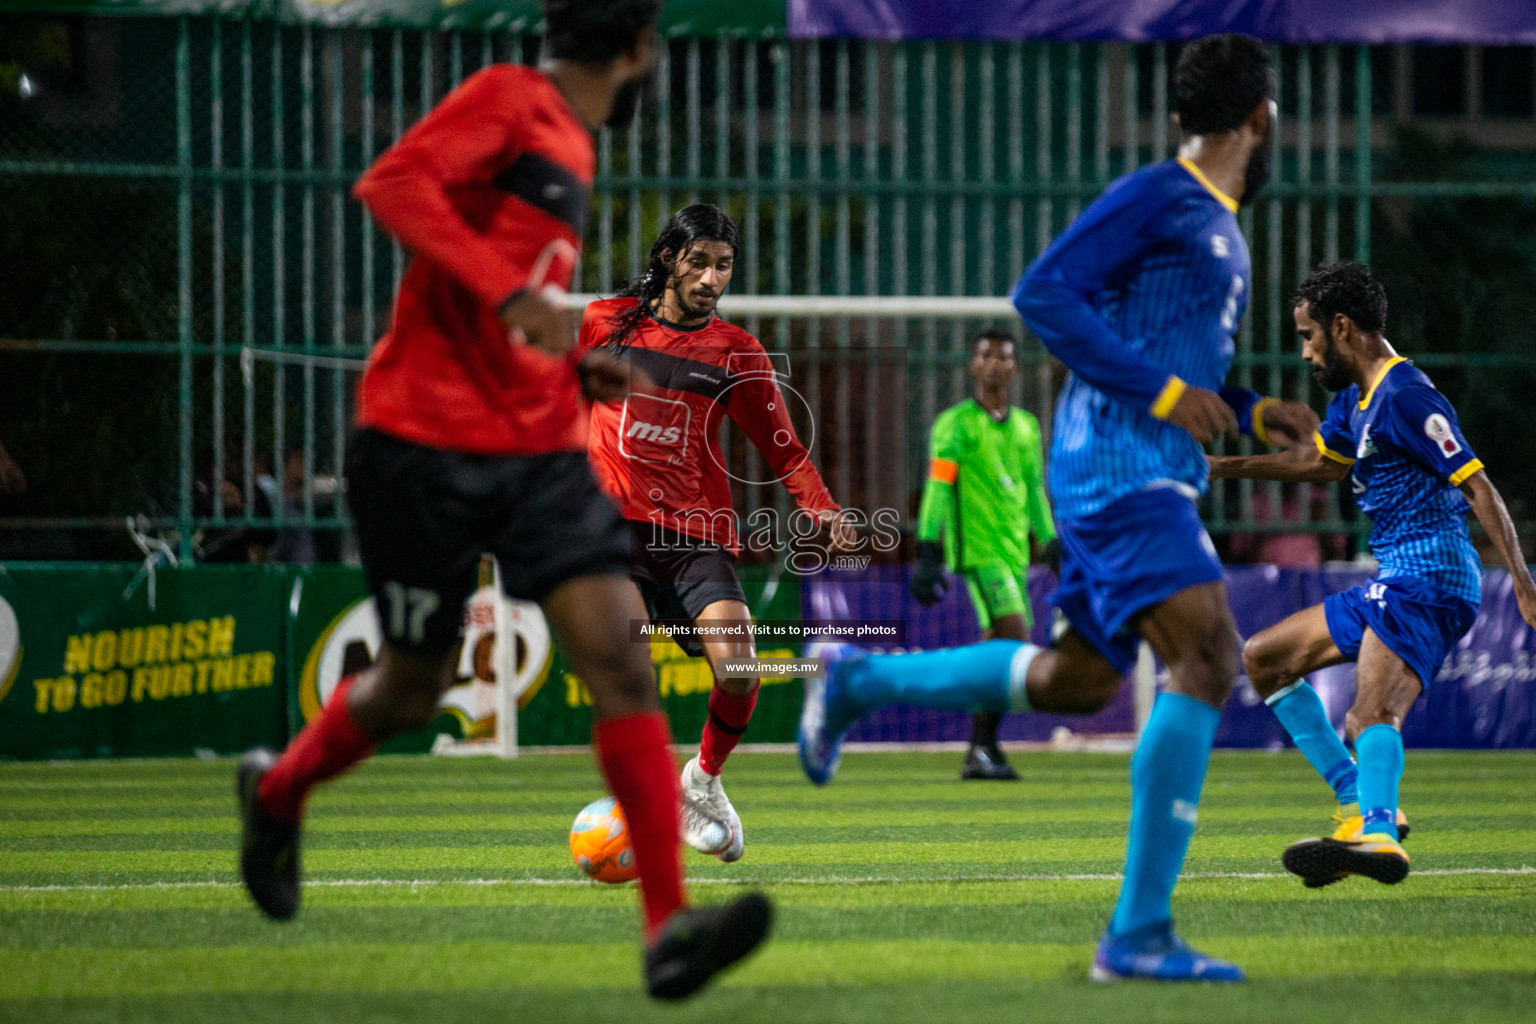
(325, 748)
(636, 757)
(729, 714)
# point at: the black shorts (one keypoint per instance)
(424, 516)
(679, 576)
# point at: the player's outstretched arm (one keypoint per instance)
(1294, 465)
(928, 585)
(1055, 296)
(757, 405)
(1202, 412)
(1488, 506)
(1272, 421)
(1284, 424)
(464, 139)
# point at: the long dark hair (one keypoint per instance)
(700, 222)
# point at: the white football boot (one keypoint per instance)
(707, 814)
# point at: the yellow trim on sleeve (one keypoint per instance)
(1366, 400)
(1222, 197)
(1459, 477)
(1258, 419)
(1329, 453)
(943, 470)
(1168, 397)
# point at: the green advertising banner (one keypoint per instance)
(100, 662)
(679, 17)
(334, 632)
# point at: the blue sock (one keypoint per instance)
(1380, 749)
(978, 677)
(1301, 711)
(1167, 774)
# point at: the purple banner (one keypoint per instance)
(1483, 696)
(880, 592)
(1284, 21)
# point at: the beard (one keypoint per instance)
(1333, 375)
(626, 101)
(691, 312)
(1256, 174)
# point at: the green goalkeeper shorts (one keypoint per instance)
(996, 591)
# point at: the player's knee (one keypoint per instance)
(1263, 661)
(1368, 712)
(619, 677)
(1075, 681)
(1209, 663)
(401, 693)
(1099, 684)
(417, 708)
(737, 684)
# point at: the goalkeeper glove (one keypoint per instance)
(1050, 556)
(928, 583)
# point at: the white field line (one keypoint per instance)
(414, 883)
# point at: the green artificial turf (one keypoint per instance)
(442, 889)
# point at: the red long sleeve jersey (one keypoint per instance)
(489, 191)
(659, 455)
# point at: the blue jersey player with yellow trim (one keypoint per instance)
(1140, 298)
(1415, 476)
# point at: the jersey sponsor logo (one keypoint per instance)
(1438, 429)
(1220, 247)
(1367, 445)
(654, 429)
(654, 432)
(1377, 592)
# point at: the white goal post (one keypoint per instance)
(853, 307)
(735, 306)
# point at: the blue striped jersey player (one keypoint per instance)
(1140, 298)
(1415, 476)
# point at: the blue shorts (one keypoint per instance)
(1139, 551)
(1417, 621)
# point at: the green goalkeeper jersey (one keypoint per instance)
(985, 493)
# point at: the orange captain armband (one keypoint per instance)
(944, 471)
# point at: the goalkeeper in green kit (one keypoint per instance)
(983, 505)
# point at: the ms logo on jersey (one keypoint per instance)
(1438, 429)
(653, 429)
(1377, 592)
(654, 432)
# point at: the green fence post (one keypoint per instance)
(184, 275)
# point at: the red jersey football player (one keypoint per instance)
(472, 438)
(658, 455)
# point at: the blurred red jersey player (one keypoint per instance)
(472, 438)
(658, 455)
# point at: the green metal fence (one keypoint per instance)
(181, 202)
